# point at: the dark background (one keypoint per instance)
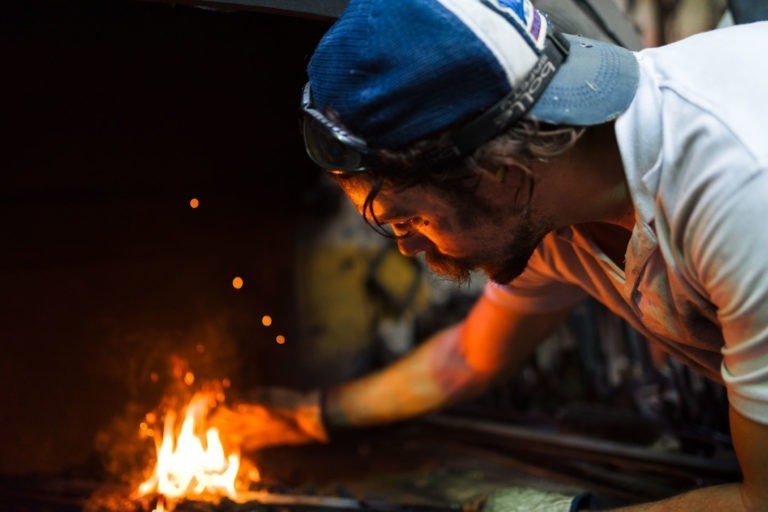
(114, 115)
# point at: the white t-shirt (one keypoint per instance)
(694, 143)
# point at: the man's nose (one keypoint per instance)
(413, 245)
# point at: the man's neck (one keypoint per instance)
(614, 212)
(612, 239)
(599, 168)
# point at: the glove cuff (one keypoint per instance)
(308, 414)
(585, 501)
(323, 405)
(330, 429)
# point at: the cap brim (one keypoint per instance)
(595, 84)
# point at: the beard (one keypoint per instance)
(526, 239)
(452, 268)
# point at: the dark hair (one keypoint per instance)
(424, 163)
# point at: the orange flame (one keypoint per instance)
(191, 464)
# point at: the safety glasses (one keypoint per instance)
(329, 145)
(336, 150)
(333, 148)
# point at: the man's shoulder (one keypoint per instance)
(714, 82)
(698, 118)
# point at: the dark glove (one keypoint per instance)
(523, 499)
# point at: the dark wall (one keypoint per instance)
(114, 115)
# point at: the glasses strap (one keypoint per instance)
(518, 102)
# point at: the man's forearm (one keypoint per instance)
(718, 498)
(750, 439)
(432, 376)
(454, 364)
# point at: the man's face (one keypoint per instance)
(457, 231)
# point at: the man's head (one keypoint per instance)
(480, 216)
(404, 94)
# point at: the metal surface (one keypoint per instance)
(509, 436)
(596, 19)
(748, 11)
(593, 18)
(414, 468)
(313, 8)
(334, 503)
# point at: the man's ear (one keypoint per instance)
(515, 180)
(500, 174)
(514, 171)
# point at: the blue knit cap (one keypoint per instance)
(398, 71)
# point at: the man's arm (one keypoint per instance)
(455, 364)
(751, 442)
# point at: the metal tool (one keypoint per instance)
(267, 499)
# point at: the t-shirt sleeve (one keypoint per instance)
(539, 289)
(729, 252)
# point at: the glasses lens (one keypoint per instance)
(326, 150)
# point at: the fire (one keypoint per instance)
(192, 463)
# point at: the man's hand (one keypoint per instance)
(275, 417)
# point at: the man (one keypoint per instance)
(471, 131)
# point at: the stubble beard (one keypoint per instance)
(527, 238)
